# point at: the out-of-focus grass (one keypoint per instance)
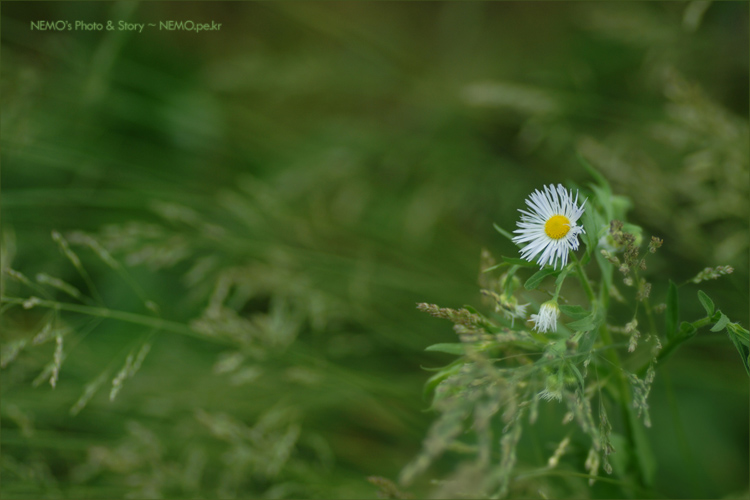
(332, 164)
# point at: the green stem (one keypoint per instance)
(673, 344)
(625, 401)
(584, 280)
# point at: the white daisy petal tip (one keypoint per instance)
(549, 229)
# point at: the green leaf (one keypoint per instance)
(519, 262)
(472, 310)
(721, 324)
(451, 348)
(744, 352)
(740, 333)
(673, 311)
(443, 374)
(575, 312)
(590, 226)
(537, 278)
(622, 456)
(496, 266)
(503, 232)
(582, 325)
(578, 376)
(707, 303)
(437, 368)
(605, 199)
(587, 343)
(590, 322)
(593, 172)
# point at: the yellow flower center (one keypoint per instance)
(557, 226)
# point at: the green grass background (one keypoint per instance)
(344, 161)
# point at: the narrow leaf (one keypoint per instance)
(503, 232)
(519, 262)
(537, 278)
(707, 303)
(450, 348)
(642, 449)
(578, 376)
(605, 199)
(593, 172)
(492, 268)
(442, 374)
(739, 333)
(591, 228)
(673, 311)
(744, 353)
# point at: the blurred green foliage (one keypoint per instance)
(282, 192)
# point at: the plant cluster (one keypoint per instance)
(513, 365)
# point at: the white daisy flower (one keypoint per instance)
(510, 308)
(546, 320)
(550, 227)
(553, 389)
(548, 395)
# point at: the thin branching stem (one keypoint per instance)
(624, 388)
(128, 317)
